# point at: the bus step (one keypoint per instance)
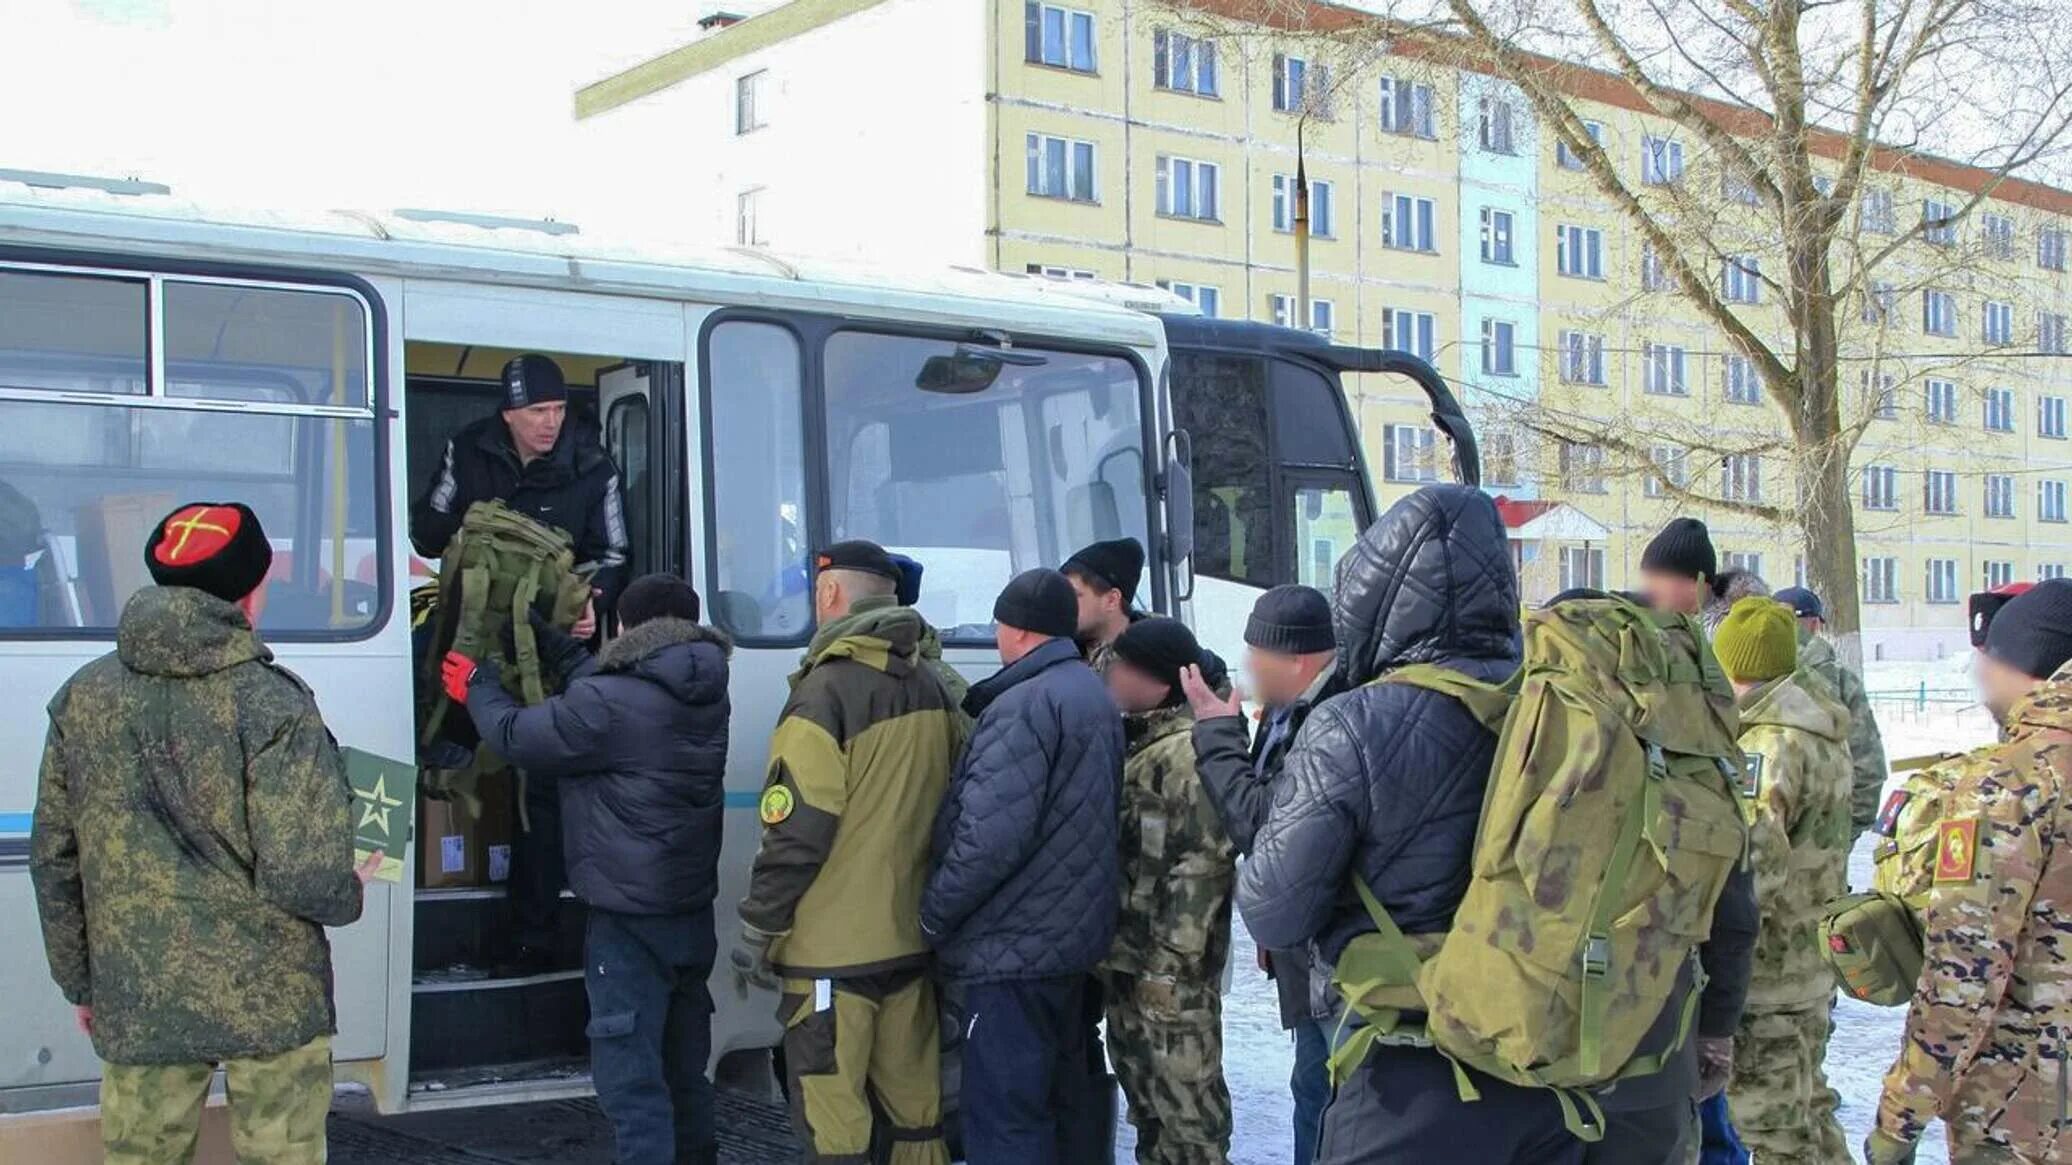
(472, 926)
(466, 1020)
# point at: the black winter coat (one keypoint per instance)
(638, 745)
(1385, 782)
(574, 488)
(1027, 843)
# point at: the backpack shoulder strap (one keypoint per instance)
(1489, 703)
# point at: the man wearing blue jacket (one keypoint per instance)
(1021, 905)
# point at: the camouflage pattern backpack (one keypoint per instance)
(1609, 828)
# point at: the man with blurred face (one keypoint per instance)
(1678, 567)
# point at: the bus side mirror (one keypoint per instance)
(1179, 497)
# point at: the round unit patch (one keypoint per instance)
(776, 805)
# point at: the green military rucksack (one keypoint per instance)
(1872, 940)
(497, 569)
(1609, 828)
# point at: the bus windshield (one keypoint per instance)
(979, 481)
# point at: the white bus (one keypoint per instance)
(314, 366)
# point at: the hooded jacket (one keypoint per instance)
(858, 764)
(1026, 845)
(1866, 745)
(1385, 782)
(638, 742)
(192, 840)
(1795, 790)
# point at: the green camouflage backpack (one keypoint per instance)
(1608, 830)
(497, 568)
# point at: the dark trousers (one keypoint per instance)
(651, 1033)
(537, 869)
(1025, 1095)
(1403, 1105)
(1667, 1135)
(1310, 1084)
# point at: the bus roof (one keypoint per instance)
(105, 218)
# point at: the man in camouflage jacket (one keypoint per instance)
(1866, 746)
(192, 841)
(1795, 790)
(1986, 1035)
(1163, 976)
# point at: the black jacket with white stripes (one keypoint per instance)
(574, 488)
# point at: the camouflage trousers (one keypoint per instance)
(1166, 1042)
(151, 1113)
(1778, 1096)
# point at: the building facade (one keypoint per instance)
(1116, 140)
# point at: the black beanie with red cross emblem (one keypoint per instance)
(216, 547)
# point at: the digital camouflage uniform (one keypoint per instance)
(1163, 976)
(858, 766)
(1796, 792)
(1986, 1034)
(1866, 747)
(191, 842)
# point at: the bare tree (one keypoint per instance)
(1800, 116)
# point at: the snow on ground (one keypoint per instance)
(1257, 1054)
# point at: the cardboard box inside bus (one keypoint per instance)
(112, 534)
(457, 848)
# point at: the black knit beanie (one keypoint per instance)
(1684, 547)
(1119, 563)
(218, 547)
(1039, 601)
(1291, 620)
(1160, 648)
(2033, 632)
(657, 596)
(533, 379)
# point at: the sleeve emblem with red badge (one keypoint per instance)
(1956, 850)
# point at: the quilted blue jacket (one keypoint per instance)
(1026, 849)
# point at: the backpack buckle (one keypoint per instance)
(1597, 956)
(1658, 762)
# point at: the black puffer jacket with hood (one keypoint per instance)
(1385, 782)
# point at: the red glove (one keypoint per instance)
(457, 672)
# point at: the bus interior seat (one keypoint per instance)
(1091, 514)
(738, 612)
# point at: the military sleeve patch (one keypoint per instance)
(1956, 849)
(776, 805)
(1888, 817)
(1752, 775)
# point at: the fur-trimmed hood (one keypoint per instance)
(683, 657)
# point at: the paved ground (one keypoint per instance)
(565, 1132)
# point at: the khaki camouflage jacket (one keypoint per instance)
(1178, 866)
(1866, 746)
(192, 840)
(1795, 789)
(1986, 1034)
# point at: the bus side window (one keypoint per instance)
(761, 590)
(1224, 410)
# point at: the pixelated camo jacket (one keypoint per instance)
(1178, 865)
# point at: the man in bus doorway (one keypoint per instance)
(192, 840)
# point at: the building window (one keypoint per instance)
(1496, 236)
(1300, 87)
(748, 228)
(1735, 188)
(2050, 501)
(2000, 410)
(1321, 313)
(2051, 248)
(1998, 574)
(1206, 299)
(1939, 492)
(1938, 313)
(2046, 571)
(1938, 222)
(1881, 580)
(1661, 160)
(1798, 571)
(1582, 357)
(1183, 64)
(1500, 458)
(1319, 205)
(1407, 223)
(1406, 108)
(2050, 417)
(1495, 130)
(1877, 213)
(1942, 580)
(748, 103)
(1062, 38)
(1582, 468)
(1881, 395)
(2051, 333)
(1672, 467)
(1878, 299)
(1750, 561)
(1997, 231)
(1880, 488)
(1050, 271)
(1410, 331)
(1187, 188)
(1410, 453)
(1499, 347)
(2000, 495)
(1942, 401)
(1999, 321)
(1568, 159)
(1061, 168)
(1663, 369)
(1654, 273)
(1582, 566)
(1740, 279)
(1743, 386)
(1579, 252)
(1741, 477)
